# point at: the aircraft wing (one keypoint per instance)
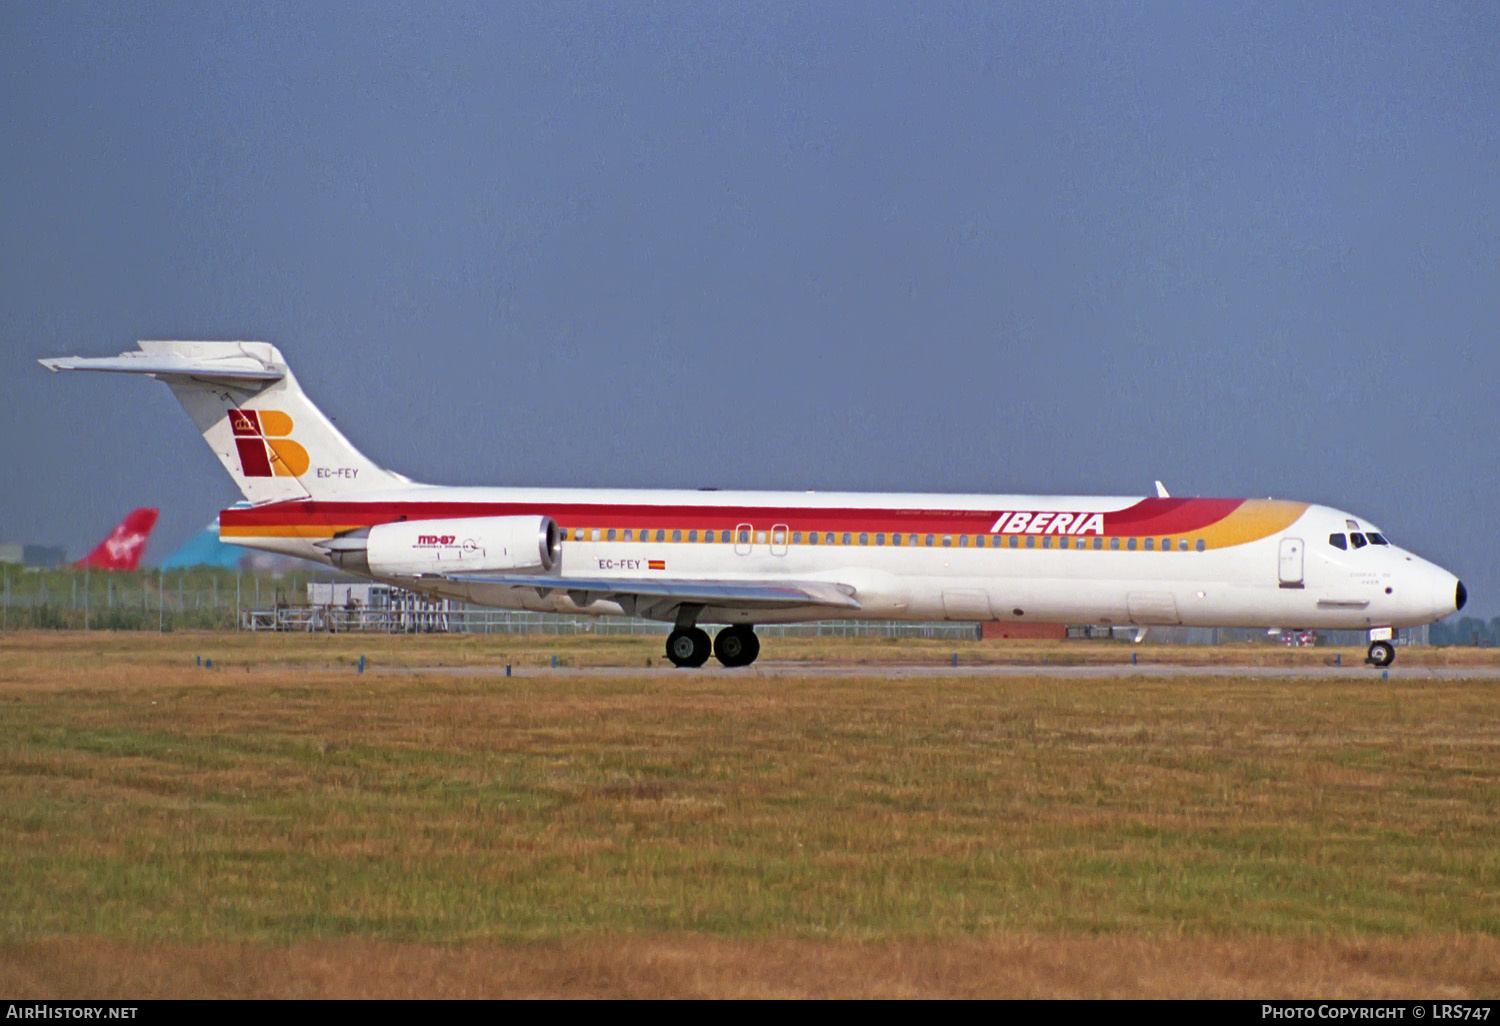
(744, 594)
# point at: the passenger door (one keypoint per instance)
(1290, 572)
(780, 535)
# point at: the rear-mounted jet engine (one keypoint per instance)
(411, 548)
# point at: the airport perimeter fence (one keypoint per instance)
(208, 599)
(461, 619)
(155, 600)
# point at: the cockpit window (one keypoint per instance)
(1376, 539)
(1338, 541)
(1358, 539)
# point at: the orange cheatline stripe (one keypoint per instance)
(1256, 519)
(288, 531)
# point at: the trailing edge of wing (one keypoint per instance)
(716, 593)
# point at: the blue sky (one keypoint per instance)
(1250, 250)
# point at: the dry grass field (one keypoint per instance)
(282, 825)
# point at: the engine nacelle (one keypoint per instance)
(410, 548)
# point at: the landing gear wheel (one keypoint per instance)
(737, 646)
(1381, 653)
(689, 647)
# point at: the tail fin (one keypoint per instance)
(123, 548)
(206, 549)
(270, 437)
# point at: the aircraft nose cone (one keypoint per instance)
(1460, 596)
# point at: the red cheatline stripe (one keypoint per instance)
(1170, 516)
(1147, 517)
(637, 516)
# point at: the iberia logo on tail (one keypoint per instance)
(265, 450)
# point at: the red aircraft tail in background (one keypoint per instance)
(122, 549)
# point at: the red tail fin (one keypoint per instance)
(123, 548)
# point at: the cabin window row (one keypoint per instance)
(880, 538)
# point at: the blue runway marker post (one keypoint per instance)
(200, 660)
(507, 669)
(1338, 659)
(955, 659)
(1132, 658)
(361, 662)
(554, 662)
(208, 664)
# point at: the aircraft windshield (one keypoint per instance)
(1357, 539)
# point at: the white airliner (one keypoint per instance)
(743, 558)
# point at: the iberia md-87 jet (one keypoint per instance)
(744, 558)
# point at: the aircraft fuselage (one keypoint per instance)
(1080, 559)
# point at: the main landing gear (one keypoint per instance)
(688, 646)
(735, 646)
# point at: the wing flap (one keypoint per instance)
(750, 594)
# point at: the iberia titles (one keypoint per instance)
(1026, 522)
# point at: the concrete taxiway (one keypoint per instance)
(772, 668)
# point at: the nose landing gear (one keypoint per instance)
(1380, 654)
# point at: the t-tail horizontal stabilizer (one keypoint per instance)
(250, 410)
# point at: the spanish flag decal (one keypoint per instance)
(656, 564)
